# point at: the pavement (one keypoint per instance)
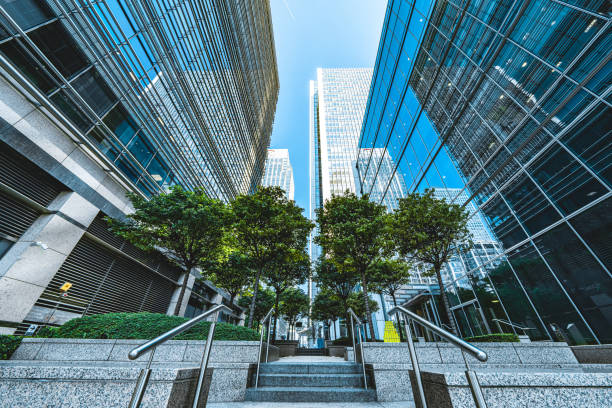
(310, 404)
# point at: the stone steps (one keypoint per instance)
(309, 352)
(310, 394)
(310, 382)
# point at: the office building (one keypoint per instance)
(337, 104)
(510, 103)
(97, 100)
(278, 171)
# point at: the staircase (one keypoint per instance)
(309, 351)
(310, 382)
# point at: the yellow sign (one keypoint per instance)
(66, 286)
(391, 335)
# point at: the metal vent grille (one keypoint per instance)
(15, 217)
(25, 177)
(105, 282)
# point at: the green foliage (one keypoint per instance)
(494, 338)
(388, 276)
(267, 224)
(231, 272)
(293, 305)
(343, 341)
(430, 230)
(338, 281)
(265, 301)
(356, 301)
(8, 345)
(327, 306)
(353, 234)
(142, 326)
(187, 226)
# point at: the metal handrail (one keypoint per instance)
(145, 373)
(451, 338)
(262, 321)
(359, 323)
(516, 326)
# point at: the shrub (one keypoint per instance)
(494, 338)
(343, 341)
(142, 326)
(8, 345)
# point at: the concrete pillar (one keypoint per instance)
(177, 291)
(30, 264)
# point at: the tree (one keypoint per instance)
(294, 304)
(353, 233)
(231, 272)
(388, 276)
(357, 302)
(186, 226)
(264, 224)
(430, 230)
(326, 307)
(263, 304)
(287, 270)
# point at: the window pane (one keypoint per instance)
(121, 124)
(94, 91)
(20, 58)
(77, 116)
(59, 48)
(595, 227)
(587, 283)
(26, 13)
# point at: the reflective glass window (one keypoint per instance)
(70, 109)
(120, 123)
(595, 228)
(142, 149)
(92, 88)
(20, 58)
(589, 286)
(26, 13)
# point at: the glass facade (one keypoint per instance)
(507, 105)
(164, 93)
(337, 103)
(278, 171)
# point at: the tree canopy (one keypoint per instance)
(263, 304)
(429, 230)
(353, 234)
(186, 226)
(266, 223)
(388, 276)
(294, 304)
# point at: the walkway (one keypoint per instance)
(266, 404)
(310, 359)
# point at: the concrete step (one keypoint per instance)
(311, 380)
(310, 394)
(309, 352)
(310, 368)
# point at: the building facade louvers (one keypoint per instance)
(509, 102)
(100, 99)
(278, 172)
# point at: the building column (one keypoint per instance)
(177, 291)
(29, 265)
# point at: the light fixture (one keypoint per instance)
(591, 194)
(524, 64)
(495, 301)
(501, 96)
(156, 177)
(553, 22)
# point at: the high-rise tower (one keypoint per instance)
(278, 171)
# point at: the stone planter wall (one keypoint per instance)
(286, 347)
(230, 360)
(336, 351)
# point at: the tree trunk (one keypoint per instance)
(367, 305)
(255, 289)
(276, 301)
(451, 321)
(399, 326)
(177, 308)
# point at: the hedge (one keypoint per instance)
(141, 326)
(8, 345)
(494, 338)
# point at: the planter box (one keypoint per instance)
(336, 351)
(595, 354)
(286, 347)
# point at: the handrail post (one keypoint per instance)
(259, 354)
(415, 362)
(365, 378)
(353, 338)
(268, 344)
(141, 384)
(204, 363)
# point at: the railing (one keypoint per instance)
(359, 323)
(263, 321)
(451, 338)
(516, 326)
(145, 373)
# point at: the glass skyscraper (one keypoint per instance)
(507, 105)
(278, 171)
(98, 99)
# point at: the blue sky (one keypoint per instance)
(310, 34)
